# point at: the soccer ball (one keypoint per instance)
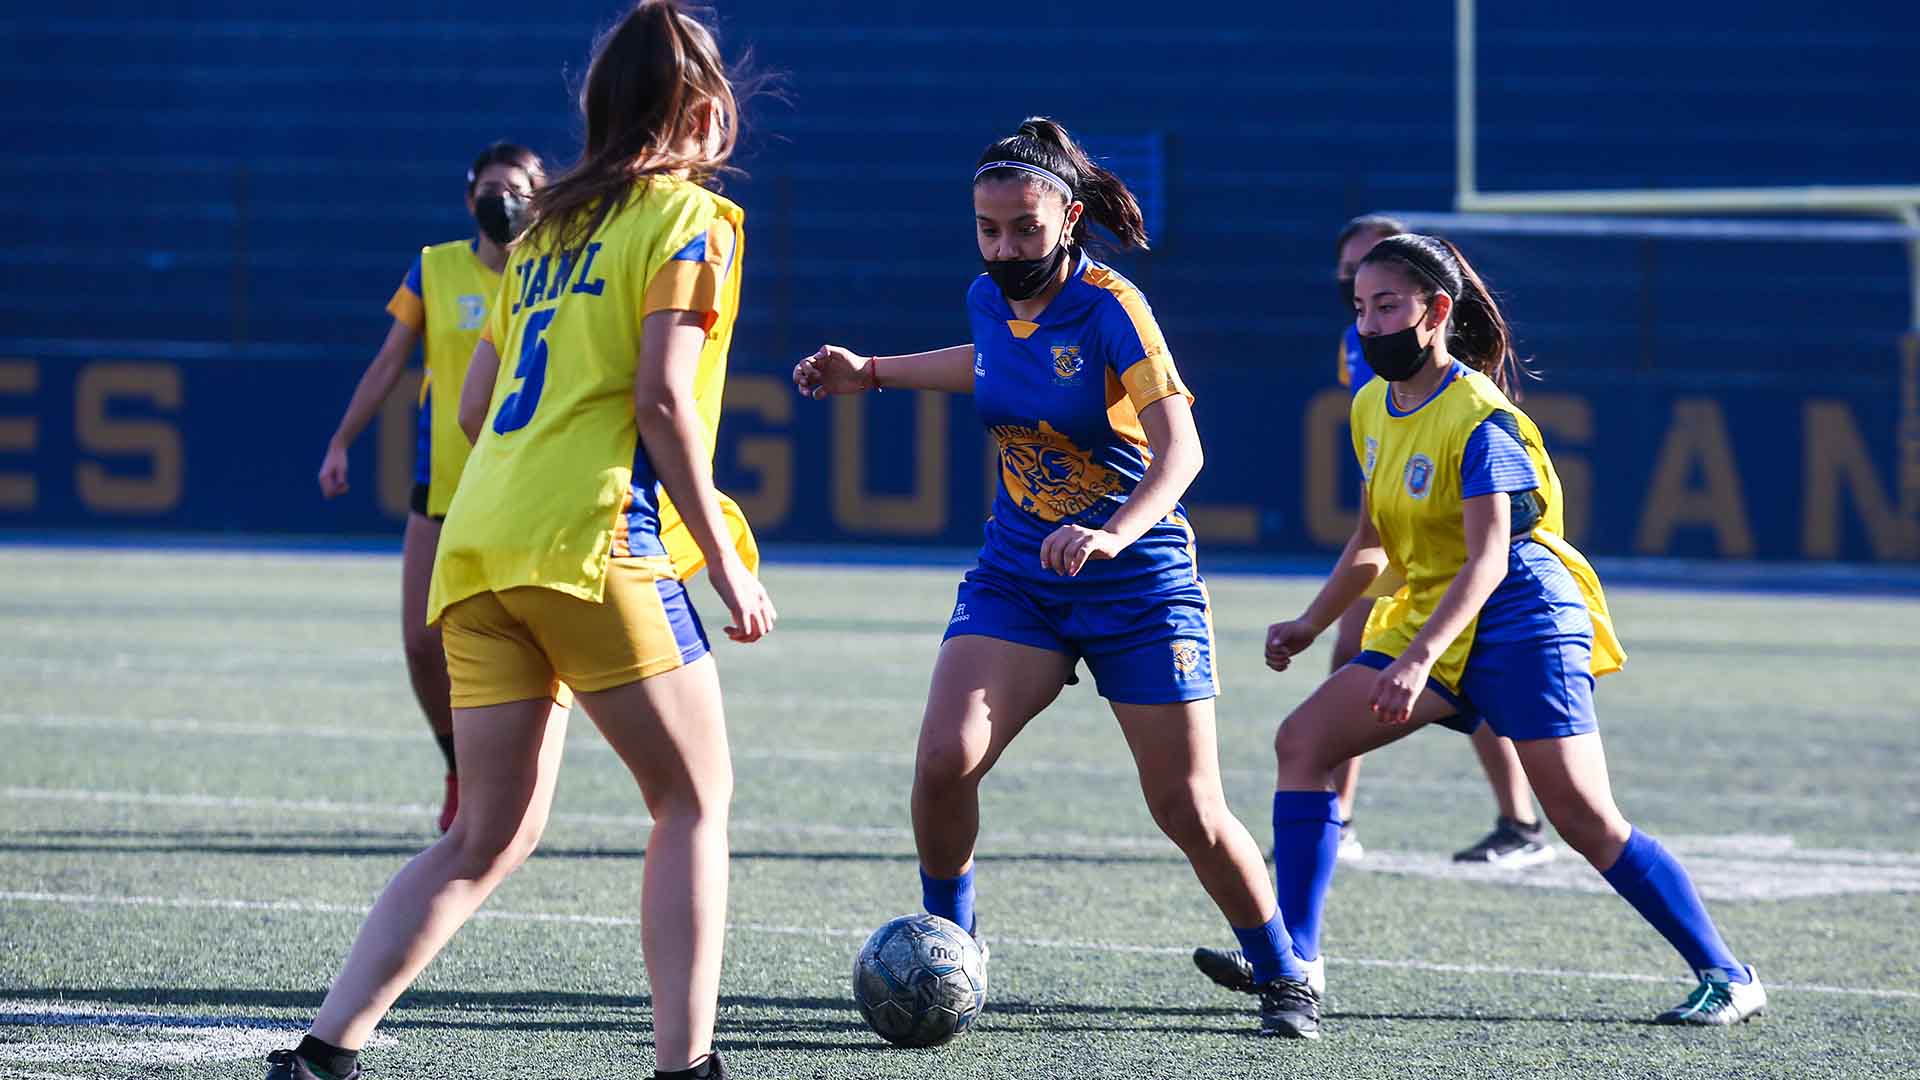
(919, 980)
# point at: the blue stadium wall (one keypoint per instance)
(210, 209)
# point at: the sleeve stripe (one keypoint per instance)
(406, 307)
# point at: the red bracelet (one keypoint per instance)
(873, 371)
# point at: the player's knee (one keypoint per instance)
(696, 802)
(1188, 818)
(492, 852)
(942, 770)
(1595, 835)
(1297, 749)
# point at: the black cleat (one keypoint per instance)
(1289, 1009)
(287, 1065)
(1226, 967)
(715, 1066)
(1510, 845)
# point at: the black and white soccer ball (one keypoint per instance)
(920, 980)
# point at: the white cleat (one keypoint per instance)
(1719, 1002)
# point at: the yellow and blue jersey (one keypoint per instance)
(559, 482)
(1419, 466)
(1062, 396)
(443, 299)
(1350, 367)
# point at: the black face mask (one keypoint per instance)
(1346, 298)
(1024, 279)
(501, 216)
(1398, 356)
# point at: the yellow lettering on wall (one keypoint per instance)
(1330, 506)
(157, 440)
(1697, 438)
(18, 434)
(399, 438)
(770, 457)
(1567, 421)
(1836, 457)
(923, 512)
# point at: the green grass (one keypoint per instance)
(1770, 739)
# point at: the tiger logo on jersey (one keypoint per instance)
(1049, 476)
(1186, 658)
(1419, 475)
(1067, 363)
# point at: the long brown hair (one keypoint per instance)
(1476, 330)
(641, 101)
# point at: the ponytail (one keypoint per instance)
(1476, 331)
(1042, 144)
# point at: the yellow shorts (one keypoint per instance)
(525, 643)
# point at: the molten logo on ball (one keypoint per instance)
(919, 981)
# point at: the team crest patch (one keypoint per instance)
(1067, 363)
(1419, 475)
(1186, 658)
(1372, 458)
(473, 312)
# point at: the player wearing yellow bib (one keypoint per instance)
(612, 326)
(441, 305)
(1500, 619)
(1517, 839)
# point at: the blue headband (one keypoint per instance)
(1051, 178)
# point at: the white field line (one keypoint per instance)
(826, 932)
(422, 812)
(1749, 846)
(1013, 764)
(169, 1037)
(1737, 867)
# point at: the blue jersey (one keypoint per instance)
(1061, 397)
(1350, 367)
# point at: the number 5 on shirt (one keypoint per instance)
(517, 410)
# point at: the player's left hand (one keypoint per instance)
(1397, 688)
(1068, 548)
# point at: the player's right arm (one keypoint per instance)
(375, 384)
(1363, 560)
(834, 370)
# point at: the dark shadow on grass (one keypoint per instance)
(781, 1023)
(1481, 1018)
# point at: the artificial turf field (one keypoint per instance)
(212, 763)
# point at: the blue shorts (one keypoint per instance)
(1539, 689)
(1151, 649)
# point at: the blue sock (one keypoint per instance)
(949, 898)
(1647, 876)
(1269, 951)
(1306, 835)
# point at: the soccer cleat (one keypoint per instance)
(1290, 1009)
(1350, 849)
(1719, 1002)
(716, 1067)
(1510, 845)
(451, 806)
(287, 1065)
(1230, 968)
